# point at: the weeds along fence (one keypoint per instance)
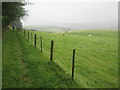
(53, 49)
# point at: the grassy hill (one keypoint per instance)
(96, 60)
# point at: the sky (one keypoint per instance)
(46, 12)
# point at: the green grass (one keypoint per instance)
(96, 60)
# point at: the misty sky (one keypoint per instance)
(50, 12)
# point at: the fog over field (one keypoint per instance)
(73, 15)
(60, 44)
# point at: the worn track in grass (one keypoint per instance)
(25, 67)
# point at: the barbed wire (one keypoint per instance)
(32, 41)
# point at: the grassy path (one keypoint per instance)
(12, 72)
(14, 69)
(24, 66)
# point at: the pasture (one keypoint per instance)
(96, 59)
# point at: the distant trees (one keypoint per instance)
(12, 11)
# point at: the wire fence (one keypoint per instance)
(54, 50)
(61, 53)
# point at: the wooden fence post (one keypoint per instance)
(41, 43)
(28, 35)
(51, 51)
(35, 39)
(73, 59)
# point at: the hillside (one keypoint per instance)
(96, 59)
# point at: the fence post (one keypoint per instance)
(41, 43)
(73, 59)
(35, 39)
(51, 51)
(24, 33)
(28, 35)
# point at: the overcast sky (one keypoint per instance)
(69, 11)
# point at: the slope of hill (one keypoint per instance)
(96, 60)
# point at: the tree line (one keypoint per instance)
(13, 11)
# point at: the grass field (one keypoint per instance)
(96, 60)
